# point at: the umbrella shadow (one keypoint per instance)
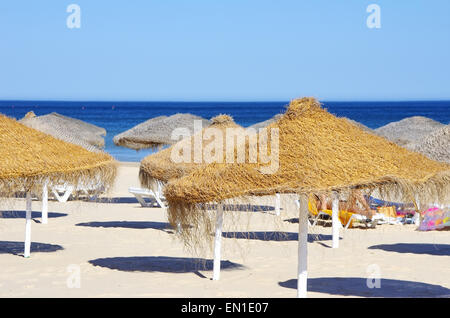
(357, 286)
(163, 226)
(325, 222)
(16, 248)
(275, 236)
(292, 220)
(242, 207)
(413, 248)
(121, 200)
(34, 214)
(163, 264)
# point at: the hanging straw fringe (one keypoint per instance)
(29, 157)
(318, 153)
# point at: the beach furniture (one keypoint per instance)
(157, 132)
(408, 131)
(67, 129)
(350, 158)
(62, 193)
(158, 168)
(140, 194)
(346, 218)
(31, 160)
(435, 145)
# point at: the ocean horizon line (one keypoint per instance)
(119, 116)
(226, 101)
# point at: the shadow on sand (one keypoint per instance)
(275, 236)
(121, 200)
(34, 214)
(129, 225)
(163, 226)
(162, 264)
(356, 286)
(241, 207)
(415, 248)
(16, 248)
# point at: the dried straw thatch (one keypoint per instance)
(29, 157)
(67, 129)
(266, 123)
(408, 130)
(160, 166)
(318, 153)
(157, 131)
(436, 145)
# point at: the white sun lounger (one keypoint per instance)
(375, 219)
(140, 193)
(62, 193)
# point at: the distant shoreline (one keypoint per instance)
(220, 101)
(117, 117)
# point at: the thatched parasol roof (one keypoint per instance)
(156, 132)
(28, 157)
(67, 129)
(318, 153)
(160, 166)
(436, 145)
(408, 130)
(265, 123)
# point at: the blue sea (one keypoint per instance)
(117, 117)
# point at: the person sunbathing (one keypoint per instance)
(356, 203)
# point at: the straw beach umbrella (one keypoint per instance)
(156, 132)
(408, 130)
(157, 169)
(318, 154)
(436, 145)
(30, 159)
(67, 129)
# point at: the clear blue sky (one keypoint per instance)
(224, 50)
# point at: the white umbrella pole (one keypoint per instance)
(277, 204)
(335, 221)
(45, 203)
(217, 242)
(302, 277)
(26, 252)
(417, 216)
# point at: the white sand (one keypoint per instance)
(130, 239)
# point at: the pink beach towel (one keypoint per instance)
(435, 219)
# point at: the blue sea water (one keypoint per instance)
(117, 117)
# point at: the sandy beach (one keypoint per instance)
(120, 249)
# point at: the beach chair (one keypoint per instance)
(140, 193)
(91, 191)
(363, 219)
(62, 192)
(317, 215)
(346, 218)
